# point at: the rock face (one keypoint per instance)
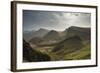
(31, 55)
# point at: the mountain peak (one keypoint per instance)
(52, 35)
(83, 29)
(73, 27)
(53, 31)
(42, 29)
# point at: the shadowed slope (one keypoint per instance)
(31, 55)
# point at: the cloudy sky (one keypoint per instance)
(34, 20)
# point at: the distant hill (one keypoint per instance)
(49, 38)
(39, 33)
(52, 36)
(27, 35)
(36, 40)
(83, 33)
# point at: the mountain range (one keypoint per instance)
(71, 44)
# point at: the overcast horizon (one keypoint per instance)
(34, 20)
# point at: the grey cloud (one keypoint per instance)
(33, 20)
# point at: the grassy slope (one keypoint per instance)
(83, 53)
